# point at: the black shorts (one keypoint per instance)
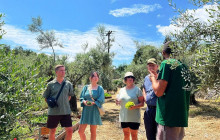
(131, 125)
(54, 120)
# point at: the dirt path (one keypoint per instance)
(110, 130)
(201, 127)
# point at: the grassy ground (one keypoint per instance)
(204, 122)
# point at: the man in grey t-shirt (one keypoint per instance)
(61, 113)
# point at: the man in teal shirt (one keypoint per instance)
(61, 113)
(172, 88)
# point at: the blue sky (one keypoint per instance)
(75, 23)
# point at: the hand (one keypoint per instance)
(117, 102)
(84, 102)
(153, 74)
(132, 107)
(88, 103)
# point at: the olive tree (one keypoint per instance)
(198, 43)
(46, 39)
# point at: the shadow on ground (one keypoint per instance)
(209, 109)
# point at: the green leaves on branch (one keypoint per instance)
(20, 89)
(198, 45)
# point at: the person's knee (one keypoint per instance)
(134, 132)
(80, 132)
(93, 128)
(69, 130)
(126, 132)
(53, 131)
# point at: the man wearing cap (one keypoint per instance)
(150, 100)
(173, 97)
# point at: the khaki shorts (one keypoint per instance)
(170, 133)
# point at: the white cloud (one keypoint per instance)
(166, 30)
(20, 36)
(135, 9)
(201, 14)
(123, 47)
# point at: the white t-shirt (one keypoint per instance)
(126, 95)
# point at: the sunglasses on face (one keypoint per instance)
(129, 77)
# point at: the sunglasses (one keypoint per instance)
(129, 77)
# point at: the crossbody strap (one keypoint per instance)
(60, 90)
(90, 92)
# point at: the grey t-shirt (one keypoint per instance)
(126, 95)
(53, 88)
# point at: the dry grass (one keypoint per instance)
(204, 123)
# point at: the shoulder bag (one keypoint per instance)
(53, 102)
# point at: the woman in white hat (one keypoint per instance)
(130, 118)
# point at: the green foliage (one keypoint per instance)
(145, 52)
(2, 32)
(198, 45)
(108, 95)
(20, 88)
(138, 65)
(19, 132)
(46, 39)
(96, 59)
(36, 119)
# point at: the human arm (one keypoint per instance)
(47, 92)
(141, 103)
(144, 94)
(159, 86)
(140, 98)
(101, 98)
(82, 96)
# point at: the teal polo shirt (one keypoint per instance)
(53, 88)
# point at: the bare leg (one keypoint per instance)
(93, 131)
(82, 128)
(69, 133)
(52, 134)
(134, 134)
(126, 133)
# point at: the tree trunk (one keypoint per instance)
(73, 104)
(192, 99)
(54, 57)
